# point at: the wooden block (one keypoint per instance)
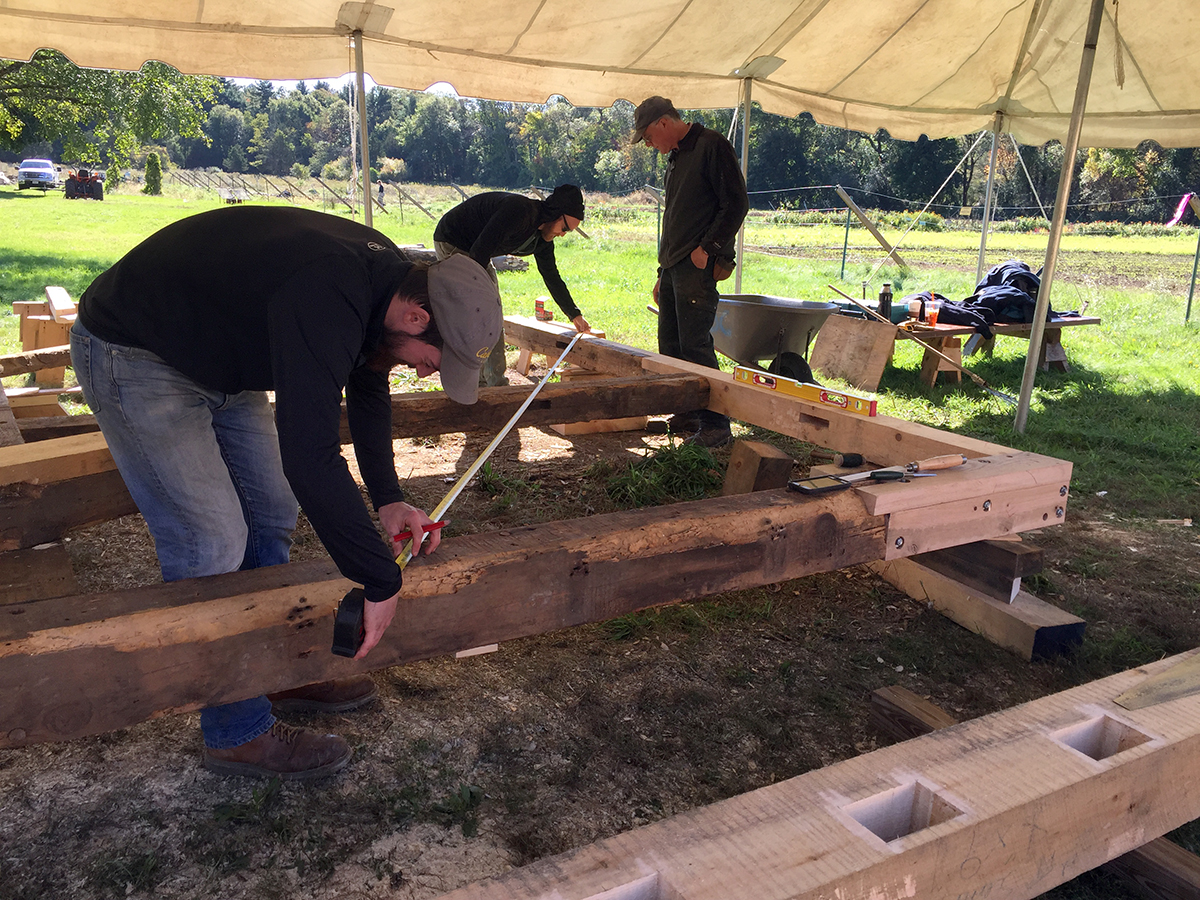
(1031, 628)
(62, 307)
(756, 466)
(898, 713)
(855, 350)
(994, 568)
(36, 574)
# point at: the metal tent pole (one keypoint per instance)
(988, 197)
(362, 128)
(1070, 148)
(741, 241)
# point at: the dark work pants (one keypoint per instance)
(687, 307)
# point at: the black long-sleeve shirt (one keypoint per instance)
(290, 300)
(497, 223)
(705, 198)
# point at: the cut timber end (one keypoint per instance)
(756, 466)
(1031, 628)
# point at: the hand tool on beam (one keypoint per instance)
(348, 630)
(918, 468)
(904, 332)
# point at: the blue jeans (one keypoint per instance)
(205, 471)
(687, 308)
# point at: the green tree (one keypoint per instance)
(96, 113)
(153, 175)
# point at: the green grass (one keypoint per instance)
(1126, 415)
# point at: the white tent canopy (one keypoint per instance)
(937, 67)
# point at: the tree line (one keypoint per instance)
(98, 118)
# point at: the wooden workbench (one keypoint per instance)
(947, 339)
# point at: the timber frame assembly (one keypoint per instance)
(914, 820)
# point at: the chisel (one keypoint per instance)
(920, 467)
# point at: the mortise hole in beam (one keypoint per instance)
(901, 811)
(1100, 737)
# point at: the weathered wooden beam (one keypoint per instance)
(44, 428)
(1009, 805)
(37, 509)
(1031, 628)
(432, 412)
(34, 360)
(32, 514)
(994, 568)
(35, 574)
(77, 666)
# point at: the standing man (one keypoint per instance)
(175, 347)
(704, 207)
(498, 223)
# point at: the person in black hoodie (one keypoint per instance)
(175, 347)
(497, 223)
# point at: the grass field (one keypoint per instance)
(1126, 414)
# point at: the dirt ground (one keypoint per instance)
(465, 768)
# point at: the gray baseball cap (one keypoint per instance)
(466, 307)
(648, 112)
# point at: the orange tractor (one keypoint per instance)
(84, 184)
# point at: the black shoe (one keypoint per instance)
(711, 436)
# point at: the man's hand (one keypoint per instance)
(376, 618)
(654, 290)
(581, 324)
(699, 258)
(399, 517)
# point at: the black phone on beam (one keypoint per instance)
(818, 484)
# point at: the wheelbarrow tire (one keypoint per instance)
(792, 365)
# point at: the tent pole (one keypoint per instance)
(1060, 212)
(741, 241)
(362, 128)
(987, 197)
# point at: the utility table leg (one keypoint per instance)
(931, 363)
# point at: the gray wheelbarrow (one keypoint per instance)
(750, 328)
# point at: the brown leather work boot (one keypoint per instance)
(337, 696)
(284, 752)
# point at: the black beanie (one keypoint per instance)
(566, 200)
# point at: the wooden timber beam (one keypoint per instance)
(1028, 626)
(83, 665)
(38, 506)
(35, 360)
(1160, 870)
(884, 439)
(43, 428)
(1009, 805)
(32, 514)
(994, 568)
(433, 412)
